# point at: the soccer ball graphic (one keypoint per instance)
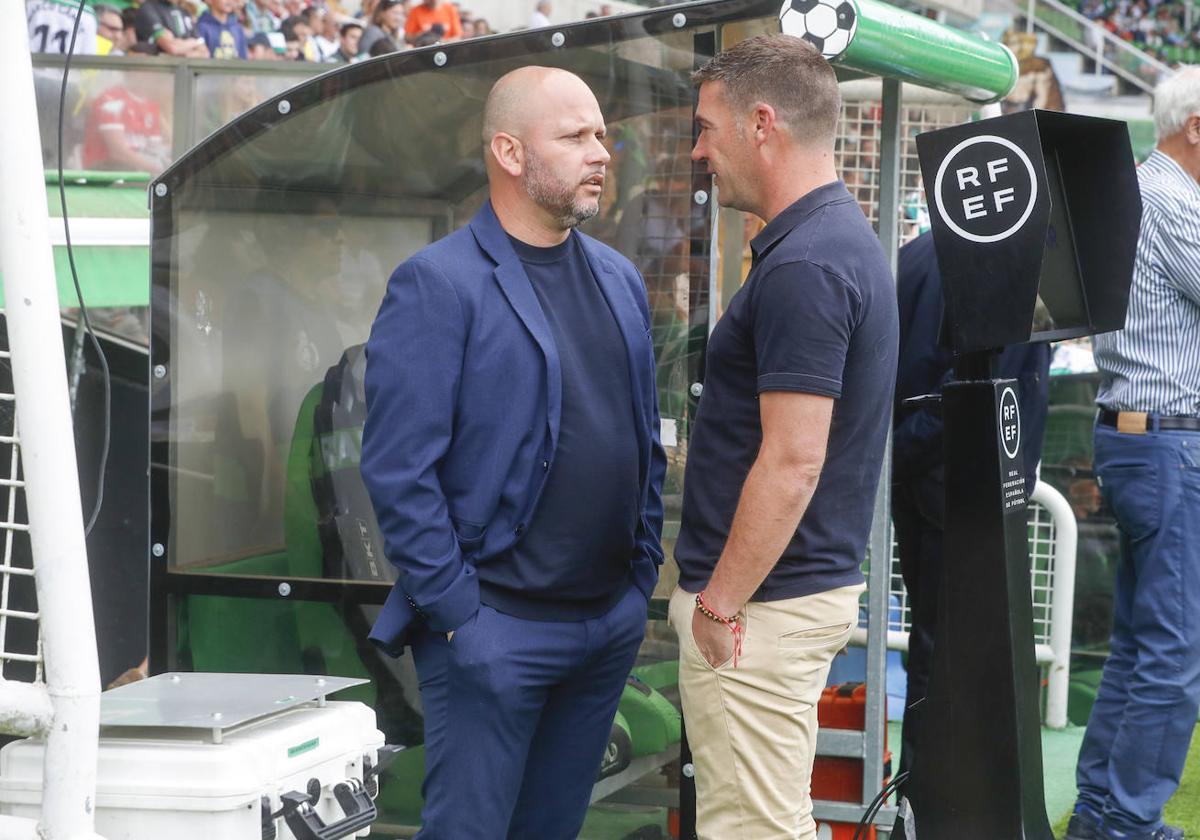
(829, 25)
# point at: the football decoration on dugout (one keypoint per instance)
(829, 25)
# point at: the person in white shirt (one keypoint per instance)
(541, 15)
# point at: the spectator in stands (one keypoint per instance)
(221, 31)
(383, 46)
(387, 21)
(349, 37)
(129, 27)
(482, 27)
(328, 37)
(167, 28)
(124, 130)
(110, 31)
(468, 28)
(296, 35)
(541, 14)
(295, 8)
(51, 23)
(265, 15)
(260, 49)
(433, 13)
(606, 9)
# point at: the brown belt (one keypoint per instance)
(1140, 422)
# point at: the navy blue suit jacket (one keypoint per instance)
(464, 394)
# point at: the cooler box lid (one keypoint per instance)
(212, 701)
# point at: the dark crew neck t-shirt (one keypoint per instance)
(573, 561)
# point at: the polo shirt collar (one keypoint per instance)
(783, 224)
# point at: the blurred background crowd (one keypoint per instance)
(317, 31)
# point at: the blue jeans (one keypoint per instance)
(517, 716)
(1141, 726)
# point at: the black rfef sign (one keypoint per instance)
(1035, 218)
(986, 189)
(1012, 465)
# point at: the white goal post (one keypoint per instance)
(63, 704)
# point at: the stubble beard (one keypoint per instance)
(555, 196)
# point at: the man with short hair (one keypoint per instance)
(328, 30)
(259, 48)
(296, 34)
(512, 455)
(1147, 460)
(787, 447)
(221, 31)
(429, 14)
(168, 29)
(110, 31)
(541, 15)
(348, 40)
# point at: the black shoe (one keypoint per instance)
(1082, 827)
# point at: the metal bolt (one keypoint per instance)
(439, 58)
(175, 678)
(285, 589)
(679, 20)
(320, 681)
(160, 371)
(697, 389)
(558, 39)
(689, 770)
(284, 106)
(157, 550)
(700, 197)
(160, 189)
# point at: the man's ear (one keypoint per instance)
(509, 153)
(1191, 129)
(762, 121)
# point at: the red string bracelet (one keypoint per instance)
(734, 624)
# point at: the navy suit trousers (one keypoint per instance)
(517, 717)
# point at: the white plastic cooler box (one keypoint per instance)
(221, 757)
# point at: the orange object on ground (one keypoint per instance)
(840, 779)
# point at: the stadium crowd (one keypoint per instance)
(1164, 29)
(319, 31)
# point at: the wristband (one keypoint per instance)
(733, 623)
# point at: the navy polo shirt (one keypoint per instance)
(573, 561)
(817, 314)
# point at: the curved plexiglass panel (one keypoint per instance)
(273, 242)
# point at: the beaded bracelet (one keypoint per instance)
(734, 624)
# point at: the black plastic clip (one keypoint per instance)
(306, 824)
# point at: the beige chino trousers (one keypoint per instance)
(753, 729)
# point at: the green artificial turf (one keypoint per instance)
(1184, 808)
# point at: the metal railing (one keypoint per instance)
(1092, 40)
(1053, 536)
